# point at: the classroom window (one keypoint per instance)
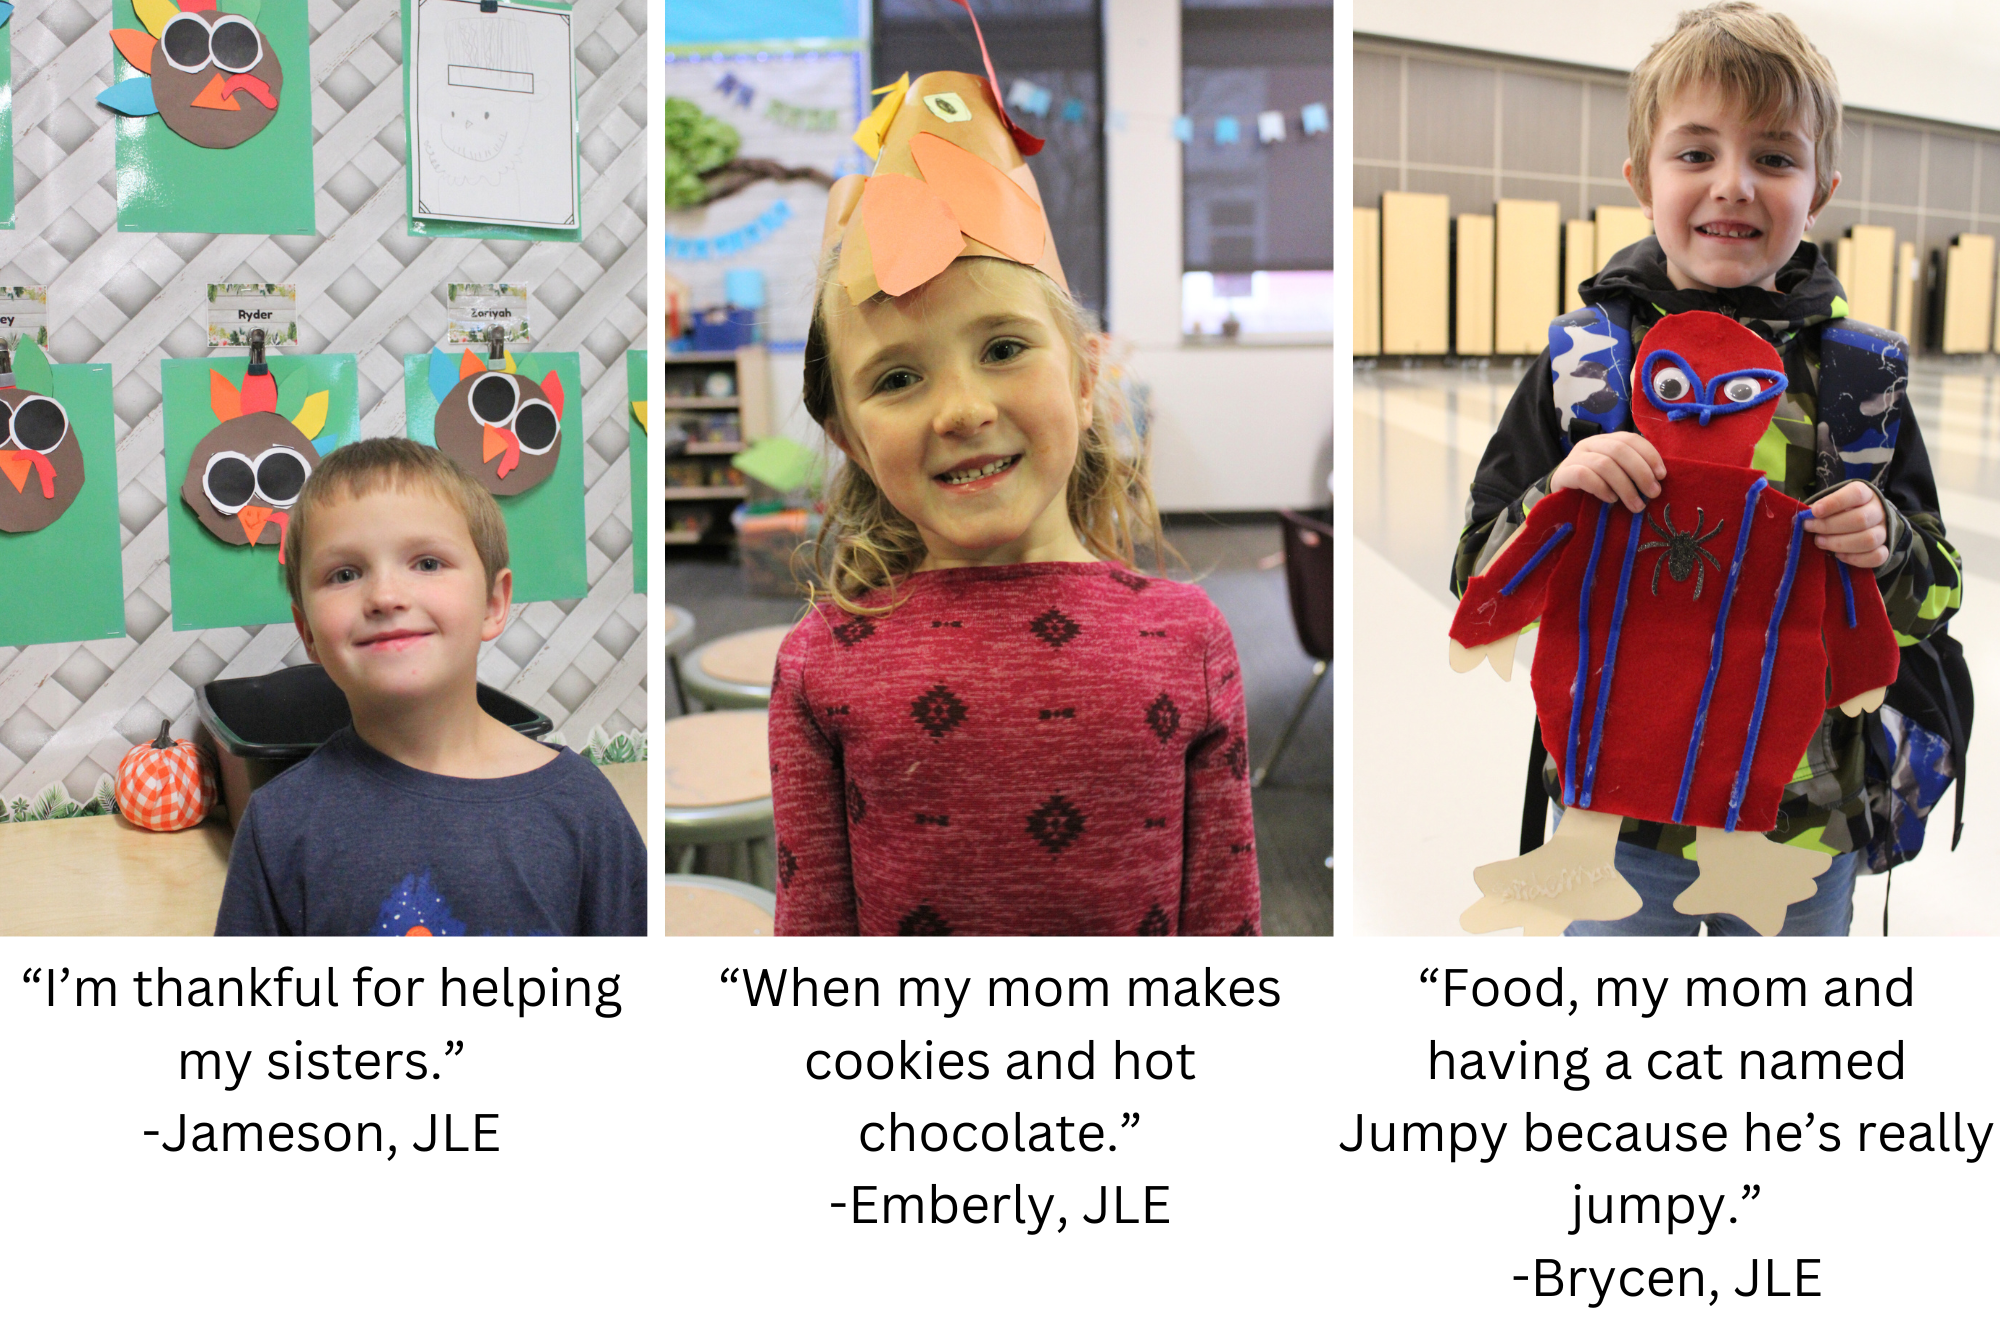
(1049, 56)
(1258, 209)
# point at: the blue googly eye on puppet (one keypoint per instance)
(1673, 387)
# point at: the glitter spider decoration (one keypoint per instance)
(1681, 552)
(1690, 712)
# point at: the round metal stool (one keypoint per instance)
(718, 792)
(680, 628)
(706, 905)
(735, 671)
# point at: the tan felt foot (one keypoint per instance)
(1570, 878)
(1749, 876)
(1500, 653)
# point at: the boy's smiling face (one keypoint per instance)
(1730, 199)
(396, 602)
(964, 402)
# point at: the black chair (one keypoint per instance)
(1309, 580)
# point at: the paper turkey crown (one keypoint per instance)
(503, 428)
(1705, 388)
(246, 474)
(950, 179)
(41, 462)
(207, 70)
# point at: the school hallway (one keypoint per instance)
(1440, 759)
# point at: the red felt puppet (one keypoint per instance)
(1686, 654)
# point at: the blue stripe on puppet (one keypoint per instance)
(131, 97)
(1764, 677)
(1507, 589)
(1582, 652)
(443, 373)
(1846, 586)
(1715, 647)
(1610, 660)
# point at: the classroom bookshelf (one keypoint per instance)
(713, 406)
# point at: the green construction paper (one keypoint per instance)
(262, 186)
(439, 227)
(67, 582)
(635, 392)
(215, 584)
(544, 525)
(7, 125)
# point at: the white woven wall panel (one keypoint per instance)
(68, 712)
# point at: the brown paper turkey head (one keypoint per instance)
(245, 477)
(41, 464)
(504, 429)
(216, 79)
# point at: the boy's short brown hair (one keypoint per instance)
(1758, 58)
(392, 463)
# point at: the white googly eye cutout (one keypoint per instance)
(39, 424)
(281, 474)
(536, 427)
(184, 42)
(1670, 384)
(948, 107)
(1741, 389)
(229, 481)
(235, 44)
(493, 398)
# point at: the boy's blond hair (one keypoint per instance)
(1760, 60)
(866, 546)
(395, 464)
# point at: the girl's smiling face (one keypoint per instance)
(965, 403)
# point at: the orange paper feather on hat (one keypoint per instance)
(950, 182)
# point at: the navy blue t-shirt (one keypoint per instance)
(350, 842)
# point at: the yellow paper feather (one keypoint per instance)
(509, 356)
(155, 13)
(639, 411)
(869, 135)
(312, 415)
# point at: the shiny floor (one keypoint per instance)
(1441, 759)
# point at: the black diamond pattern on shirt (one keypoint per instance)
(788, 865)
(853, 631)
(1056, 824)
(1244, 928)
(857, 804)
(937, 710)
(1156, 922)
(1054, 628)
(1237, 757)
(923, 921)
(1129, 579)
(1164, 718)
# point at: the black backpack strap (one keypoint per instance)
(1535, 803)
(1958, 738)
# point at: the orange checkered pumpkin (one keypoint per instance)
(164, 785)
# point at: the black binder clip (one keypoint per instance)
(496, 347)
(6, 365)
(489, 6)
(257, 366)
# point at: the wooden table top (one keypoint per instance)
(701, 911)
(717, 758)
(103, 875)
(748, 658)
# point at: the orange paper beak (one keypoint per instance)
(15, 464)
(498, 441)
(215, 98)
(249, 83)
(253, 518)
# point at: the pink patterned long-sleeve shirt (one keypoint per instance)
(1043, 749)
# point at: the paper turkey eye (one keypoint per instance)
(280, 474)
(228, 481)
(1670, 384)
(40, 424)
(493, 398)
(6, 422)
(184, 42)
(236, 45)
(1742, 389)
(536, 427)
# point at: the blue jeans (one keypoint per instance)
(1660, 877)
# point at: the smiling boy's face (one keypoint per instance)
(396, 602)
(964, 402)
(1730, 199)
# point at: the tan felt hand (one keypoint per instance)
(1500, 653)
(1864, 703)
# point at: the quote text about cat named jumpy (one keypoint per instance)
(1657, 1140)
(317, 1066)
(930, 1167)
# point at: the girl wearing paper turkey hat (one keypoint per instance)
(991, 723)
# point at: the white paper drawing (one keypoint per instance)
(493, 105)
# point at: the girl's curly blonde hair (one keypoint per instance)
(865, 546)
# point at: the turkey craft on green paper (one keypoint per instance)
(246, 474)
(497, 424)
(210, 74)
(41, 463)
